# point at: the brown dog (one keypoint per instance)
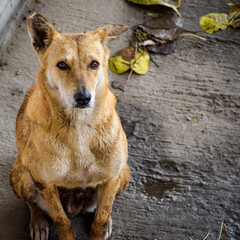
(72, 148)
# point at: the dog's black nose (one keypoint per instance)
(82, 97)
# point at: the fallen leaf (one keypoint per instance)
(235, 23)
(167, 26)
(124, 60)
(148, 42)
(162, 30)
(214, 21)
(168, 3)
(118, 64)
(126, 53)
(164, 48)
(234, 11)
(161, 33)
(140, 64)
(191, 118)
(120, 61)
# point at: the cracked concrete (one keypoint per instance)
(185, 174)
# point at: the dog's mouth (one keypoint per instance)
(81, 106)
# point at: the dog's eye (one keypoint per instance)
(62, 66)
(94, 65)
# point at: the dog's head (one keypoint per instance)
(74, 64)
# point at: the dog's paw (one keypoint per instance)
(39, 228)
(109, 229)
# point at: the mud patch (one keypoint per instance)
(117, 85)
(158, 188)
(128, 126)
(16, 91)
(3, 63)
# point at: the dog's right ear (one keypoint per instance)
(41, 32)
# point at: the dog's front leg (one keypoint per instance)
(102, 223)
(61, 222)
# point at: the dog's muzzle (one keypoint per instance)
(82, 98)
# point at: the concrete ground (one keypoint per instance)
(185, 174)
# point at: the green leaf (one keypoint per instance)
(191, 118)
(168, 3)
(140, 63)
(214, 21)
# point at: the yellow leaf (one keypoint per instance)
(118, 64)
(234, 11)
(235, 23)
(168, 3)
(214, 21)
(140, 63)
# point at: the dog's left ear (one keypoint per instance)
(110, 31)
(41, 32)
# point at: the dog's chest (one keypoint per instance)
(76, 166)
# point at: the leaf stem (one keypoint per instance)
(152, 59)
(139, 39)
(130, 74)
(226, 230)
(193, 35)
(233, 21)
(207, 235)
(220, 234)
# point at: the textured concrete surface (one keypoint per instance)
(185, 174)
(10, 12)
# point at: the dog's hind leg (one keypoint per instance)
(40, 197)
(124, 178)
(24, 187)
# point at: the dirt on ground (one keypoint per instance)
(185, 174)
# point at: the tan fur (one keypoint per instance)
(63, 146)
